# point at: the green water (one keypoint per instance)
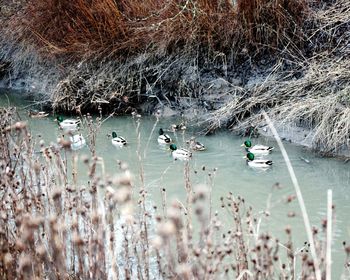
(233, 175)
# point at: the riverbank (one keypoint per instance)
(291, 62)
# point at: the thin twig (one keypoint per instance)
(329, 236)
(243, 273)
(299, 196)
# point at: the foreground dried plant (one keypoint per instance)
(52, 227)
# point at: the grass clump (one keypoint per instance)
(116, 29)
(318, 101)
(309, 91)
(93, 46)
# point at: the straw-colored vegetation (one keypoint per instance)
(319, 101)
(116, 29)
(53, 226)
(123, 53)
(310, 90)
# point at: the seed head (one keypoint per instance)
(20, 125)
(157, 242)
(184, 271)
(122, 195)
(77, 240)
(37, 168)
(288, 230)
(291, 214)
(25, 264)
(8, 259)
(56, 194)
(166, 229)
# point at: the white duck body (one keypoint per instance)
(77, 142)
(177, 127)
(257, 163)
(163, 138)
(260, 150)
(260, 163)
(196, 146)
(37, 114)
(257, 149)
(69, 124)
(181, 154)
(118, 141)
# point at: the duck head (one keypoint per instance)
(161, 131)
(114, 134)
(247, 144)
(173, 147)
(59, 119)
(250, 157)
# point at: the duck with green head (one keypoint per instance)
(258, 163)
(118, 141)
(163, 138)
(257, 149)
(68, 124)
(181, 154)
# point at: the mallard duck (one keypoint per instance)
(77, 142)
(257, 149)
(163, 138)
(176, 127)
(180, 154)
(37, 114)
(258, 163)
(195, 145)
(69, 124)
(118, 141)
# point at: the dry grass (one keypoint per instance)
(52, 227)
(319, 100)
(312, 92)
(115, 29)
(273, 24)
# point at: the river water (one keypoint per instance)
(224, 154)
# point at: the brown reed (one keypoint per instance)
(117, 30)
